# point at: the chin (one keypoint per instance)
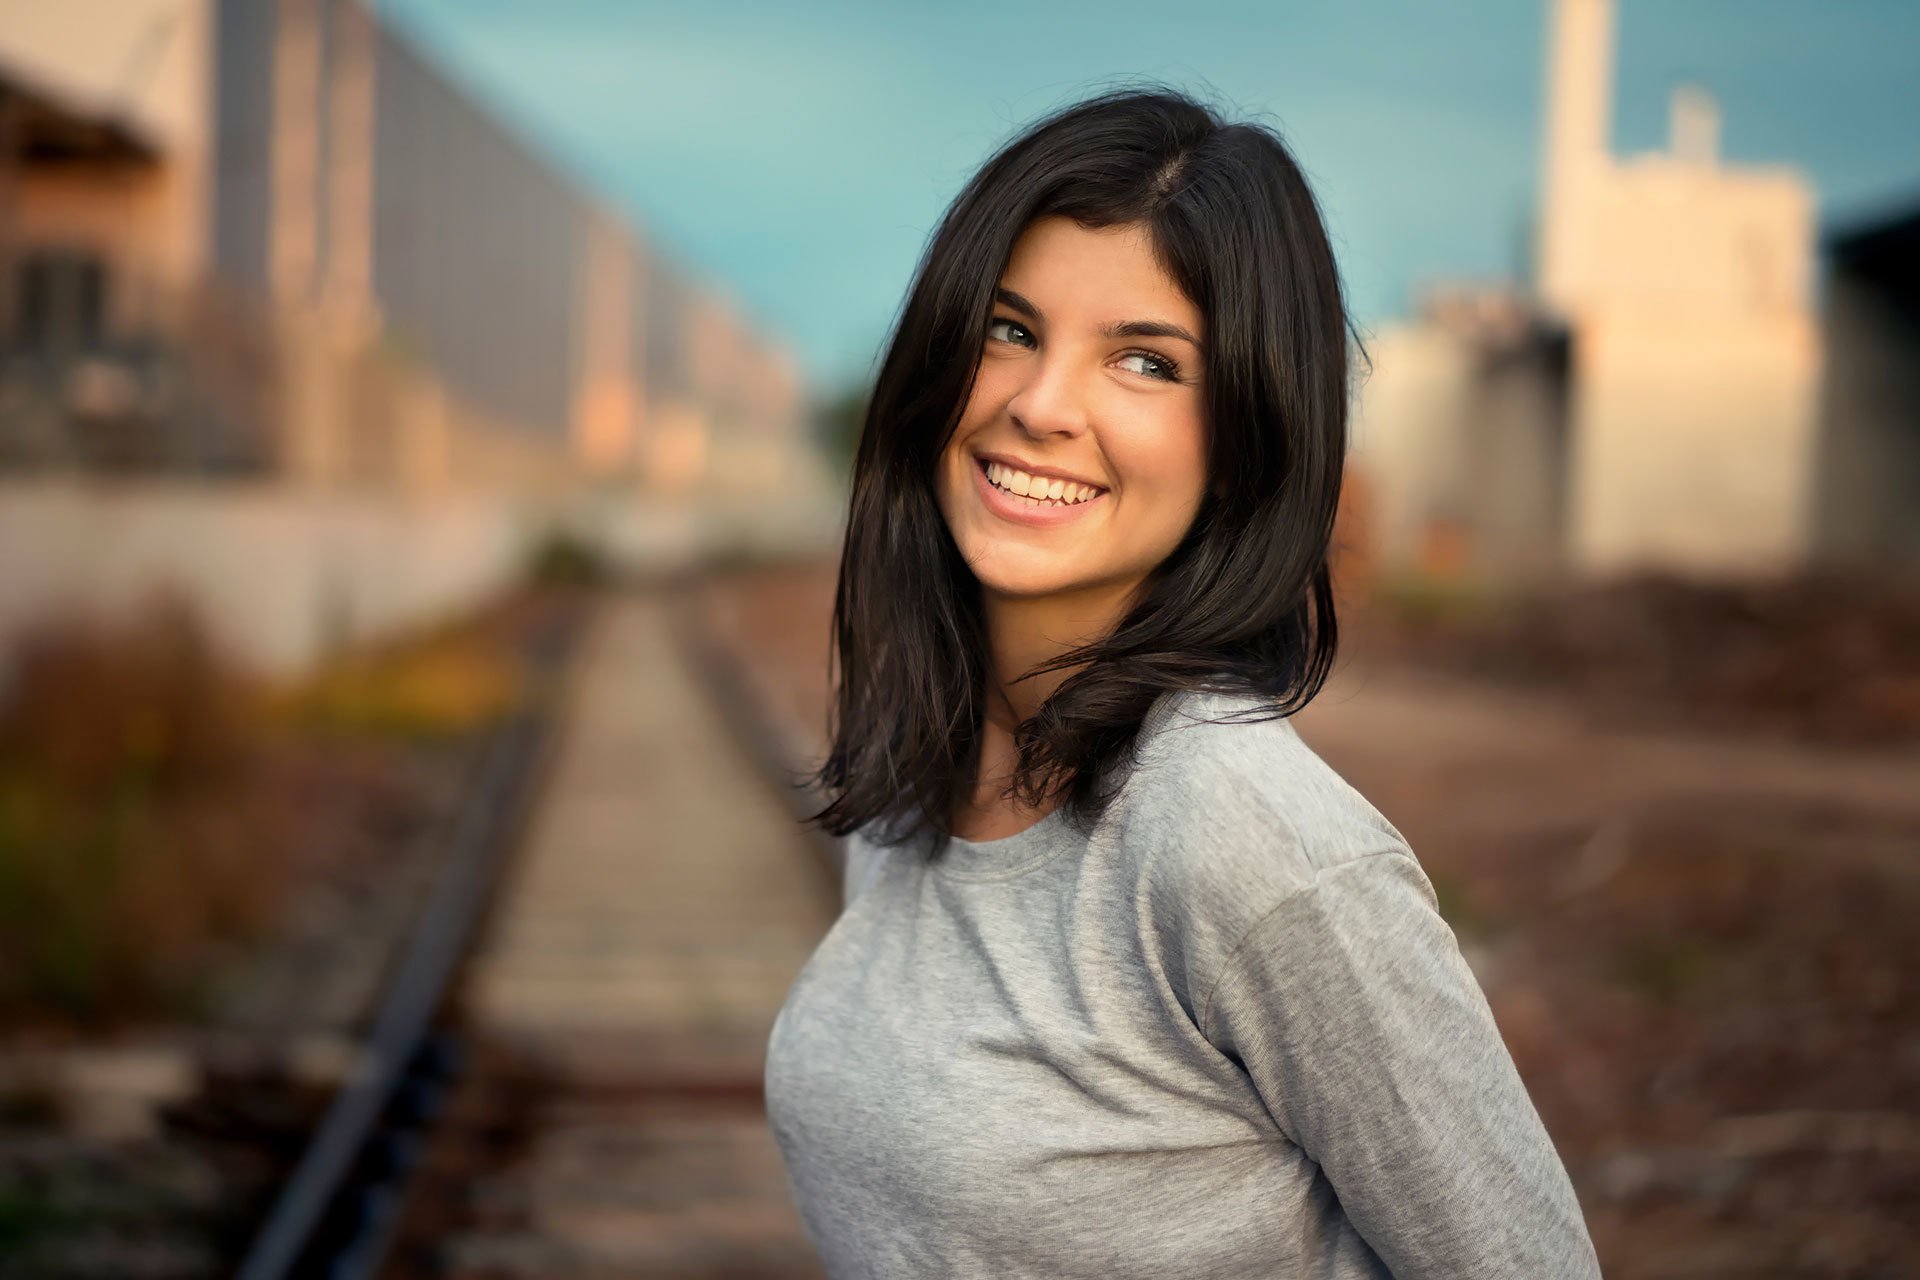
(1031, 581)
(1023, 588)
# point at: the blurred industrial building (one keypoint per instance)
(1671, 393)
(290, 320)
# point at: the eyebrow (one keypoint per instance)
(1119, 329)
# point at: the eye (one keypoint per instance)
(1158, 367)
(1015, 325)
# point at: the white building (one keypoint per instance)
(1654, 402)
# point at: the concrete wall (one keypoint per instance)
(1460, 430)
(1518, 451)
(1696, 236)
(1696, 371)
(279, 573)
(676, 444)
(607, 391)
(243, 119)
(476, 247)
(1694, 443)
(1868, 498)
(283, 574)
(1407, 439)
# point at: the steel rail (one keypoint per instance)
(294, 1240)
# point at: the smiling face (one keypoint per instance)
(1090, 383)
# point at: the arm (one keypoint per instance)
(1366, 1034)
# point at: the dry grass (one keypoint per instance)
(438, 686)
(151, 819)
(130, 837)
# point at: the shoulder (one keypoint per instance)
(861, 860)
(1226, 817)
(1219, 785)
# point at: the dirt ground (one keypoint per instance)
(1694, 926)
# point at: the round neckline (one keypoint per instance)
(1004, 855)
(1008, 856)
(1009, 841)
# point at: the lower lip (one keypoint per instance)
(1017, 509)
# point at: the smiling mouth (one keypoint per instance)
(1057, 493)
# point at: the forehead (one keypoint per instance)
(1098, 275)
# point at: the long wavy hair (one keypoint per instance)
(1243, 604)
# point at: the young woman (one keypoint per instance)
(1128, 982)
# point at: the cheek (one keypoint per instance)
(955, 473)
(1191, 463)
(1169, 460)
(991, 391)
(953, 476)
(972, 416)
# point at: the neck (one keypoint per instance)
(1022, 633)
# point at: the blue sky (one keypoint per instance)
(800, 153)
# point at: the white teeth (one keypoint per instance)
(1037, 489)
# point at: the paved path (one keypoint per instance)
(663, 900)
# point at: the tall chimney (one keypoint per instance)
(1578, 142)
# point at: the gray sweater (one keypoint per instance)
(1226, 1035)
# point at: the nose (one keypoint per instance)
(1052, 401)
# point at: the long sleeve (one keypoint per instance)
(1352, 1010)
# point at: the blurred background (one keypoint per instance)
(424, 437)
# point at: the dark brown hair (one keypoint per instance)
(1243, 604)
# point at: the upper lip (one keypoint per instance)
(1050, 473)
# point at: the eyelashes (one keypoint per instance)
(1169, 369)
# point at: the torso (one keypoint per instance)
(1005, 1061)
(990, 1066)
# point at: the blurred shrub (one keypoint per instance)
(433, 687)
(1429, 600)
(130, 832)
(561, 558)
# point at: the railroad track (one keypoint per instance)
(336, 1212)
(564, 1079)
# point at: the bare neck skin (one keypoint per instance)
(1023, 632)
